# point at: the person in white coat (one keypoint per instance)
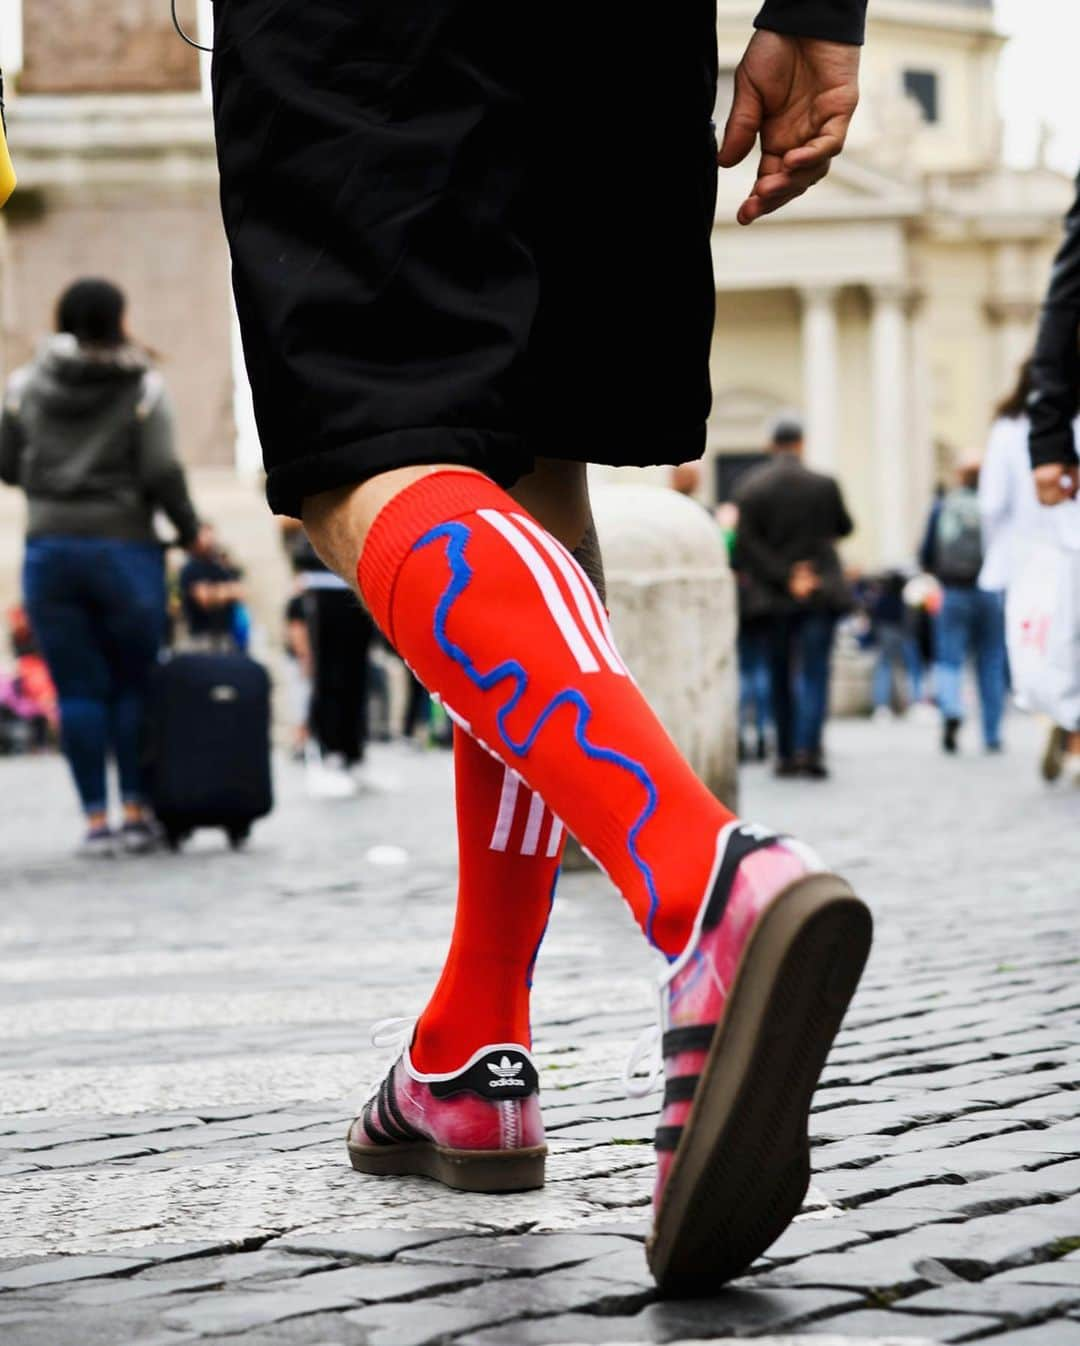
(1013, 517)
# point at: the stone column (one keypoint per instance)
(821, 383)
(891, 441)
(923, 457)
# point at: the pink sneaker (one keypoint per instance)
(478, 1129)
(749, 1012)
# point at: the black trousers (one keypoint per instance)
(341, 633)
(468, 231)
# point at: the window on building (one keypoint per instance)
(922, 85)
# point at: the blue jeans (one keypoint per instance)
(97, 607)
(972, 621)
(800, 647)
(755, 684)
(896, 650)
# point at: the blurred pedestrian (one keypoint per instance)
(1013, 519)
(790, 520)
(212, 597)
(972, 619)
(1055, 374)
(87, 433)
(298, 670)
(340, 633)
(892, 634)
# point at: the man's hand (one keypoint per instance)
(799, 95)
(1056, 483)
(803, 581)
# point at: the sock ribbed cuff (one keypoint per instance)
(398, 526)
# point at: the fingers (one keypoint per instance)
(774, 190)
(743, 123)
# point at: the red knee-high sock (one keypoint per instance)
(509, 849)
(500, 622)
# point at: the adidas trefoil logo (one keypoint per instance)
(506, 1073)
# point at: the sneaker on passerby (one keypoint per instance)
(748, 1014)
(138, 836)
(949, 734)
(329, 777)
(477, 1129)
(1055, 753)
(99, 843)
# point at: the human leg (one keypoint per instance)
(781, 629)
(814, 644)
(64, 628)
(951, 639)
(128, 583)
(990, 662)
(509, 848)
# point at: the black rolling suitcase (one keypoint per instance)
(208, 745)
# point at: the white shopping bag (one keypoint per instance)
(1042, 624)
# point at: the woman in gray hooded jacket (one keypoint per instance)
(87, 433)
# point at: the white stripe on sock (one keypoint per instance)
(549, 590)
(579, 584)
(532, 827)
(507, 806)
(555, 837)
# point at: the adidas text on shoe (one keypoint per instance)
(477, 1129)
(750, 1011)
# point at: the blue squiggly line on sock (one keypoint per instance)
(456, 535)
(543, 933)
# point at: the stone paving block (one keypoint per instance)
(548, 1294)
(1064, 1272)
(368, 1245)
(384, 1281)
(526, 1252)
(90, 1152)
(1060, 1333)
(872, 1323)
(1023, 1302)
(104, 1293)
(61, 1269)
(233, 1313)
(420, 1324)
(816, 1236)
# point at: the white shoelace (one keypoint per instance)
(394, 1035)
(647, 1052)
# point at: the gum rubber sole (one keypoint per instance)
(464, 1170)
(742, 1167)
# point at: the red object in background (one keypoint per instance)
(36, 687)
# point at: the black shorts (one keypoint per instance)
(468, 231)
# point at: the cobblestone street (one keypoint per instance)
(183, 1037)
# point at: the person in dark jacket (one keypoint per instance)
(87, 433)
(792, 584)
(1055, 374)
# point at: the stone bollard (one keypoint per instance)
(672, 601)
(852, 677)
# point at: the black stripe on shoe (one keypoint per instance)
(374, 1134)
(742, 841)
(668, 1137)
(396, 1115)
(680, 1089)
(692, 1038)
(401, 1135)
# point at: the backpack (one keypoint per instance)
(958, 550)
